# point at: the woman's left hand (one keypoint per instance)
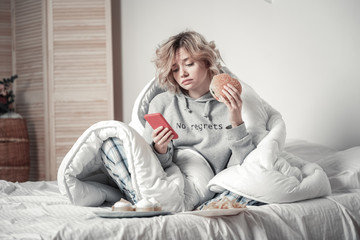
(234, 104)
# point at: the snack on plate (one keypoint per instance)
(157, 206)
(224, 203)
(218, 82)
(144, 205)
(122, 206)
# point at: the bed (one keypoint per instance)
(323, 204)
(37, 210)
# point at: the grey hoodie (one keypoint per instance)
(202, 125)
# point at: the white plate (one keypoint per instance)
(216, 212)
(129, 214)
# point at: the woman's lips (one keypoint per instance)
(186, 82)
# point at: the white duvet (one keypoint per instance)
(268, 174)
(81, 176)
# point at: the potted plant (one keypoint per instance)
(7, 98)
(14, 143)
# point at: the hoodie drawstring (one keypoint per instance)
(186, 105)
(206, 112)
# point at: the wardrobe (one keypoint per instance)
(63, 54)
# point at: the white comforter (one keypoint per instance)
(81, 176)
(268, 174)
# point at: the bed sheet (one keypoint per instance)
(37, 210)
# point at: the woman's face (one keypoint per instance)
(191, 75)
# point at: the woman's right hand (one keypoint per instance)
(162, 137)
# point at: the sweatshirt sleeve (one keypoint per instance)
(241, 144)
(166, 158)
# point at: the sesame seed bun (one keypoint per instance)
(218, 82)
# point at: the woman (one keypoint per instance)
(185, 65)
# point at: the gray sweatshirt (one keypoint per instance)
(202, 125)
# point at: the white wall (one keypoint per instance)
(302, 56)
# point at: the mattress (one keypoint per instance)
(37, 210)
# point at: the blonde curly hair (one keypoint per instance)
(199, 50)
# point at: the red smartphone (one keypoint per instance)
(156, 120)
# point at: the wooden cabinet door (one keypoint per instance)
(63, 57)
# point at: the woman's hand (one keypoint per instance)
(162, 137)
(234, 104)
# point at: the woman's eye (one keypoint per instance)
(175, 70)
(189, 64)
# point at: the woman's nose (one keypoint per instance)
(184, 73)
